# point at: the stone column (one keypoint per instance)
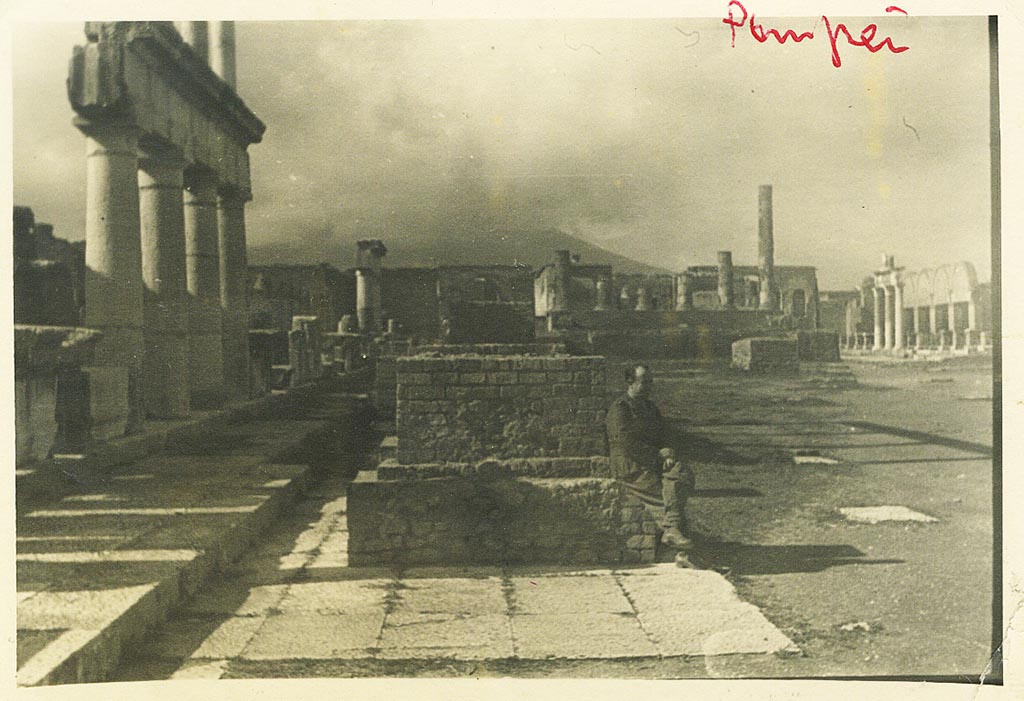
(364, 301)
(687, 291)
(166, 364)
(887, 311)
(113, 277)
(951, 323)
(643, 303)
(222, 50)
(879, 311)
(196, 35)
(726, 294)
(234, 303)
(933, 324)
(601, 294)
(897, 307)
(766, 247)
(202, 257)
(917, 327)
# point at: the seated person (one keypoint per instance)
(643, 460)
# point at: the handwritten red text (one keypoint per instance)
(737, 17)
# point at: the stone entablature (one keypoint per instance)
(143, 73)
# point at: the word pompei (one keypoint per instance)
(738, 17)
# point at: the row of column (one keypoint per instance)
(889, 333)
(946, 339)
(166, 277)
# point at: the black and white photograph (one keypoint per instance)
(450, 343)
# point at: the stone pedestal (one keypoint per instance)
(51, 405)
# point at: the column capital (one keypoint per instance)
(201, 182)
(229, 193)
(116, 136)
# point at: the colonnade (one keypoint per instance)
(165, 244)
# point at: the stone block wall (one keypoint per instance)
(467, 408)
(821, 346)
(766, 355)
(462, 520)
(384, 382)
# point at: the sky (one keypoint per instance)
(648, 137)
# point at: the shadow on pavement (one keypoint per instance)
(749, 559)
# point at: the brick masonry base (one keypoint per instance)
(461, 520)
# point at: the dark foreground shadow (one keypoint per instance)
(750, 559)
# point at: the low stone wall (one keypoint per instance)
(467, 408)
(820, 346)
(472, 520)
(766, 355)
(492, 349)
(384, 381)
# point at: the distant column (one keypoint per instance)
(898, 341)
(232, 266)
(726, 295)
(643, 302)
(601, 294)
(917, 327)
(196, 35)
(888, 317)
(113, 277)
(222, 50)
(951, 322)
(879, 311)
(202, 256)
(934, 332)
(686, 285)
(166, 363)
(364, 301)
(766, 247)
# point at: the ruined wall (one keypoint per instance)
(279, 292)
(819, 346)
(660, 290)
(693, 333)
(409, 296)
(766, 355)
(385, 382)
(466, 408)
(498, 521)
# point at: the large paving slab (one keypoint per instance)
(101, 561)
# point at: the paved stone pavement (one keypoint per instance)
(295, 598)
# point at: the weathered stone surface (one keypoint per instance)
(580, 636)
(315, 636)
(466, 520)
(489, 406)
(766, 355)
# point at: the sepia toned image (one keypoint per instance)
(646, 348)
